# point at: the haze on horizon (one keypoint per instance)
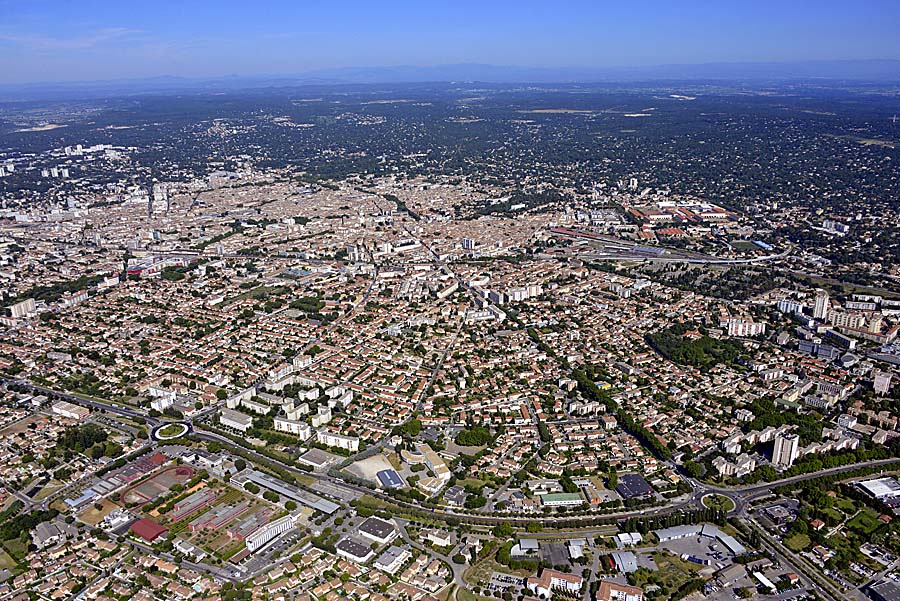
(58, 41)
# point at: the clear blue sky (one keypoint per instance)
(57, 40)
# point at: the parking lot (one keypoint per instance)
(501, 582)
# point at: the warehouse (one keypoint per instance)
(378, 530)
(354, 550)
(562, 499)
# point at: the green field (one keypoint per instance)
(864, 522)
(719, 502)
(171, 430)
(797, 542)
(16, 547)
(6, 561)
(744, 245)
(467, 595)
(672, 573)
(845, 505)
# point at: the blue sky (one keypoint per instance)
(60, 40)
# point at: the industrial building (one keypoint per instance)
(378, 530)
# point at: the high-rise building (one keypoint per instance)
(22, 309)
(743, 327)
(847, 319)
(787, 305)
(787, 447)
(822, 305)
(882, 382)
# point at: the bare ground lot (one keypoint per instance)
(369, 467)
(92, 516)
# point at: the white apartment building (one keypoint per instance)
(297, 428)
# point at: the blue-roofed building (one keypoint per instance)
(85, 497)
(390, 479)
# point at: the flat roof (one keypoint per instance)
(561, 497)
(147, 529)
(353, 547)
(886, 590)
(318, 458)
(882, 487)
(86, 496)
(626, 561)
(632, 486)
(390, 555)
(292, 492)
(377, 527)
(237, 416)
(390, 479)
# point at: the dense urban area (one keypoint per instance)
(452, 343)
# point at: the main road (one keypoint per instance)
(741, 495)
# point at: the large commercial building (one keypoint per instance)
(69, 410)
(706, 530)
(562, 499)
(378, 530)
(354, 550)
(390, 479)
(786, 451)
(263, 535)
(148, 530)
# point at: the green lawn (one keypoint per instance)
(845, 505)
(864, 522)
(673, 572)
(467, 595)
(16, 548)
(835, 515)
(171, 430)
(6, 561)
(744, 245)
(797, 542)
(719, 502)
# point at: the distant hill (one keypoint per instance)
(874, 71)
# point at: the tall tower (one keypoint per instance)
(787, 446)
(822, 305)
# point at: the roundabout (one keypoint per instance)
(716, 501)
(170, 431)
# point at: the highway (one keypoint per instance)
(589, 523)
(618, 249)
(741, 495)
